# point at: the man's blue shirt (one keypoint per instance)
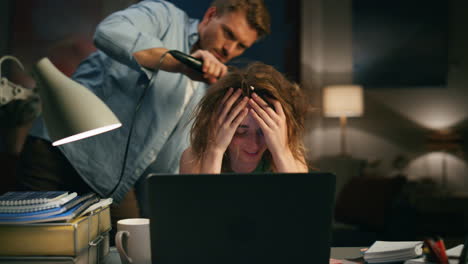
(161, 127)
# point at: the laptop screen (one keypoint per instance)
(241, 218)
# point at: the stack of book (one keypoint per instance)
(53, 227)
(393, 251)
(454, 254)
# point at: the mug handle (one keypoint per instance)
(118, 243)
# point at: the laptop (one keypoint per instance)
(241, 218)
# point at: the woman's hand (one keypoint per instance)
(273, 123)
(226, 125)
(228, 120)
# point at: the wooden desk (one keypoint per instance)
(113, 257)
(345, 252)
(335, 252)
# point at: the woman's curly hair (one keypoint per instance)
(267, 83)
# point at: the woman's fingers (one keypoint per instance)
(259, 100)
(273, 126)
(262, 113)
(266, 107)
(228, 104)
(260, 121)
(227, 125)
(238, 120)
(226, 96)
(235, 112)
(277, 105)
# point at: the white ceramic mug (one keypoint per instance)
(133, 240)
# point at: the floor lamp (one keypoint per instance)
(444, 141)
(343, 101)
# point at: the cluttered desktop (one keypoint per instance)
(199, 218)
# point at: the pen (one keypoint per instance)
(434, 250)
(429, 253)
(443, 259)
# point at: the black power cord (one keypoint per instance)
(135, 112)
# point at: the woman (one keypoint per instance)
(251, 120)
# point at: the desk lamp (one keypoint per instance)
(343, 101)
(71, 112)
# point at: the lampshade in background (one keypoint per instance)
(343, 101)
(71, 112)
(444, 141)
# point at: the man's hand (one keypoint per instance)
(212, 68)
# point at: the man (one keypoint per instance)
(132, 56)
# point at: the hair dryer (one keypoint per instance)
(188, 60)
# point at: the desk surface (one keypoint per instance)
(335, 252)
(345, 252)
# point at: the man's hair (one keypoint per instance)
(267, 83)
(256, 13)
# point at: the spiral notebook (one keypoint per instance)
(48, 212)
(67, 212)
(35, 204)
(27, 198)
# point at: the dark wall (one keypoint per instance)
(5, 7)
(400, 43)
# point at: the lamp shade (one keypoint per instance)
(444, 140)
(71, 112)
(343, 100)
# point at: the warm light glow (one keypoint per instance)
(430, 166)
(343, 100)
(438, 118)
(434, 109)
(86, 134)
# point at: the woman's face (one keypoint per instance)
(247, 146)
